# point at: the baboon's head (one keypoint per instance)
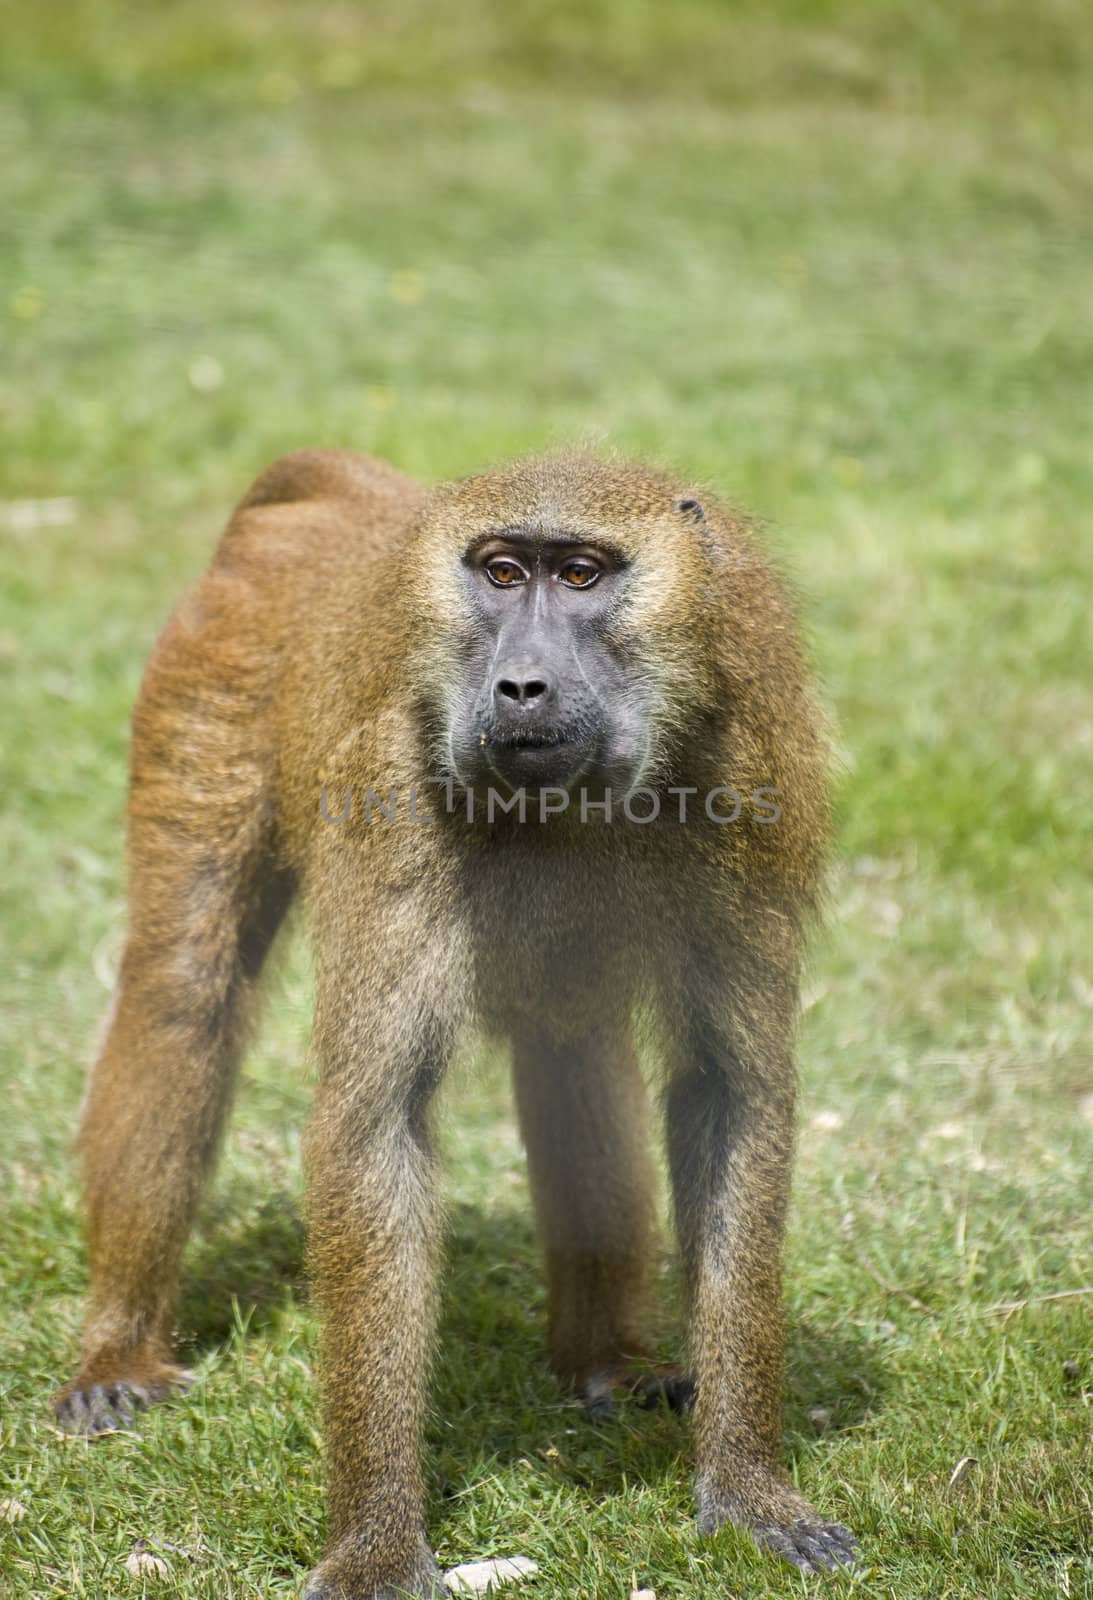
(562, 619)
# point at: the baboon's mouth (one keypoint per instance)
(533, 741)
(517, 739)
(526, 758)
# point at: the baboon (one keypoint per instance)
(507, 741)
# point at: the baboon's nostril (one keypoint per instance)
(524, 691)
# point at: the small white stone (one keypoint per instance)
(643, 1594)
(12, 1511)
(475, 1577)
(143, 1564)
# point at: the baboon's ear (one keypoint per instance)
(691, 511)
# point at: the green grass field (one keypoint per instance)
(833, 258)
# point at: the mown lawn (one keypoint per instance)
(835, 259)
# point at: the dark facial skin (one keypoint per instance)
(546, 701)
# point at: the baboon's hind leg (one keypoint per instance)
(206, 899)
(582, 1109)
(155, 1106)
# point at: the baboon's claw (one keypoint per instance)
(811, 1546)
(677, 1388)
(93, 1409)
(334, 1579)
(647, 1388)
(598, 1402)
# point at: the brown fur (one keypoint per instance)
(316, 652)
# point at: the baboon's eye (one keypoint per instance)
(505, 573)
(579, 574)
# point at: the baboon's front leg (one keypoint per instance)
(382, 1040)
(374, 1222)
(730, 1133)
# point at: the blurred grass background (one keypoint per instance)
(836, 260)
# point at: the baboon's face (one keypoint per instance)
(559, 619)
(545, 697)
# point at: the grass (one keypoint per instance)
(831, 257)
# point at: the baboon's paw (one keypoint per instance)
(320, 1589)
(676, 1389)
(344, 1575)
(598, 1391)
(811, 1546)
(95, 1408)
(780, 1520)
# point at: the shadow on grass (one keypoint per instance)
(493, 1397)
(250, 1249)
